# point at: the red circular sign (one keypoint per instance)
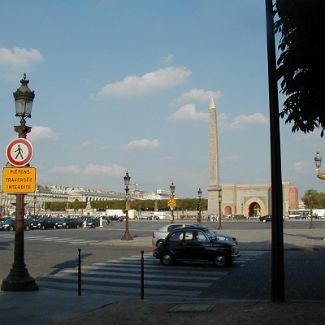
(19, 152)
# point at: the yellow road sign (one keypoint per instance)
(171, 202)
(18, 179)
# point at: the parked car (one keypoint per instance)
(91, 222)
(195, 244)
(266, 218)
(10, 224)
(48, 223)
(2, 221)
(115, 218)
(75, 222)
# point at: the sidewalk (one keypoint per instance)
(50, 307)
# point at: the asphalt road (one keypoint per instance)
(60, 247)
(53, 251)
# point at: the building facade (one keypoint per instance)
(252, 200)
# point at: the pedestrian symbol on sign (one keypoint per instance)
(19, 152)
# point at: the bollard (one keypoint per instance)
(79, 272)
(142, 276)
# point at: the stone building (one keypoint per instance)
(253, 200)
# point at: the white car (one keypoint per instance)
(159, 235)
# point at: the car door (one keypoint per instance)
(195, 243)
(175, 244)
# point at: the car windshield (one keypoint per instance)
(211, 235)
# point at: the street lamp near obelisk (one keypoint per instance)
(127, 235)
(19, 278)
(219, 207)
(172, 194)
(199, 206)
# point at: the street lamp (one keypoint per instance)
(219, 202)
(127, 235)
(172, 194)
(199, 193)
(310, 201)
(318, 162)
(19, 278)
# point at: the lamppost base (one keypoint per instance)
(127, 236)
(19, 280)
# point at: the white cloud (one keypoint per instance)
(300, 166)
(168, 58)
(42, 133)
(199, 95)
(19, 58)
(245, 121)
(143, 144)
(67, 170)
(147, 83)
(92, 145)
(105, 170)
(189, 112)
(90, 169)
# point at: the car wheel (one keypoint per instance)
(159, 242)
(220, 260)
(43, 227)
(264, 220)
(27, 228)
(11, 228)
(167, 259)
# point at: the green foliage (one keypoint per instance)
(301, 64)
(109, 204)
(313, 199)
(55, 206)
(77, 205)
(140, 205)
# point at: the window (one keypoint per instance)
(177, 236)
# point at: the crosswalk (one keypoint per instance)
(41, 238)
(122, 277)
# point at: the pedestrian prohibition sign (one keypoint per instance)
(19, 152)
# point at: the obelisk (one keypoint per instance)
(214, 185)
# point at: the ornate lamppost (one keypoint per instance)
(310, 202)
(19, 278)
(199, 206)
(318, 162)
(127, 235)
(172, 194)
(219, 203)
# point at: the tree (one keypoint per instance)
(314, 199)
(301, 64)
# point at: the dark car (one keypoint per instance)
(266, 218)
(48, 223)
(91, 222)
(196, 245)
(10, 224)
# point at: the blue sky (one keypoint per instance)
(125, 85)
